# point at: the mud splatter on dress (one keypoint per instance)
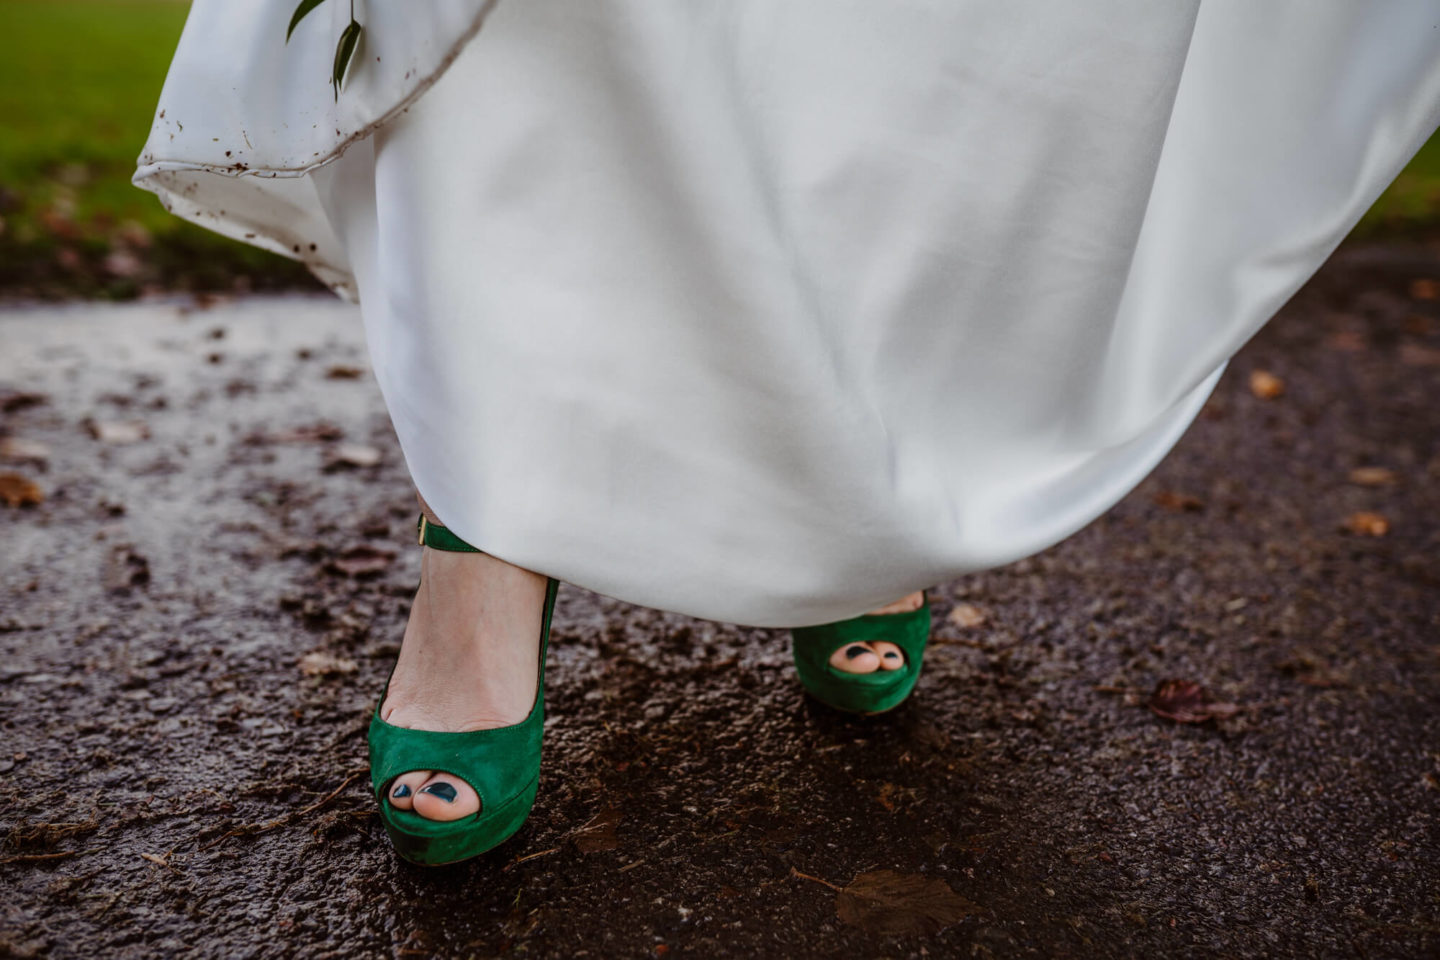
(772, 312)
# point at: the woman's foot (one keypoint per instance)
(879, 655)
(469, 661)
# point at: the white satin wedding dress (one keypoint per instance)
(772, 311)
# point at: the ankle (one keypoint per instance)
(907, 603)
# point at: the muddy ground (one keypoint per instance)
(198, 615)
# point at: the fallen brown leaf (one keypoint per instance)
(25, 451)
(1178, 502)
(1266, 385)
(318, 663)
(1349, 341)
(1187, 702)
(125, 569)
(352, 455)
(1311, 671)
(598, 833)
(118, 431)
(343, 371)
(1423, 288)
(1366, 523)
(308, 433)
(1373, 476)
(887, 902)
(362, 560)
(19, 491)
(12, 400)
(891, 796)
(967, 615)
(1414, 355)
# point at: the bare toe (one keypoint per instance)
(891, 656)
(404, 787)
(855, 658)
(444, 797)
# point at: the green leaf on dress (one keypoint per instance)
(344, 51)
(305, 7)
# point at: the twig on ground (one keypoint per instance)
(34, 857)
(529, 856)
(806, 876)
(251, 829)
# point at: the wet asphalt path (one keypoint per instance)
(197, 617)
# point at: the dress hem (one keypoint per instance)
(150, 176)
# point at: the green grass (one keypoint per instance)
(79, 81)
(1412, 203)
(78, 84)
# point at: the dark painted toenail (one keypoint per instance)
(852, 652)
(401, 792)
(442, 790)
(892, 655)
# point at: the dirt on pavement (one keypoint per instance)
(198, 614)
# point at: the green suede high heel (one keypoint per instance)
(501, 764)
(864, 693)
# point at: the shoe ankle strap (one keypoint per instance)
(440, 538)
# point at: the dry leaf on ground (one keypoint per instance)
(118, 431)
(598, 833)
(1425, 289)
(1414, 355)
(19, 491)
(308, 433)
(1266, 385)
(352, 455)
(887, 902)
(1178, 502)
(967, 615)
(343, 371)
(1373, 476)
(25, 451)
(12, 400)
(1366, 523)
(318, 663)
(125, 569)
(886, 796)
(1186, 702)
(1349, 341)
(361, 561)
(1312, 671)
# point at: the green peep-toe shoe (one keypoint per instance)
(502, 764)
(865, 693)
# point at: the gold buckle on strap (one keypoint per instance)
(421, 541)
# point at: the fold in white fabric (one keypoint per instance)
(772, 313)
